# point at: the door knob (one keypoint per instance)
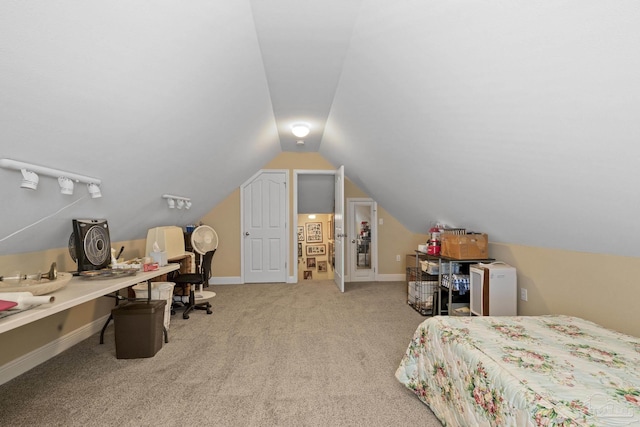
(353, 241)
(246, 233)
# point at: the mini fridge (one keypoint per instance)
(493, 289)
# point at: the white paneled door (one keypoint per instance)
(264, 199)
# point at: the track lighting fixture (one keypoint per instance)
(177, 201)
(31, 172)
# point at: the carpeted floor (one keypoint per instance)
(270, 355)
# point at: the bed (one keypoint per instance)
(524, 371)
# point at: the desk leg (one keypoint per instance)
(104, 328)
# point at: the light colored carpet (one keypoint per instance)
(270, 355)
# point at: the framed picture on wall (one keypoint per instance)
(314, 232)
(322, 266)
(308, 275)
(311, 262)
(299, 250)
(300, 233)
(330, 229)
(316, 249)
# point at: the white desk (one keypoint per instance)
(79, 291)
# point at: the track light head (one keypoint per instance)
(94, 191)
(29, 179)
(171, 203)
(66, 185)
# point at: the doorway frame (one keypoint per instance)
(350, 259)
(294, 220)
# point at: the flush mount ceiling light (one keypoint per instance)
(300, 129)
(177, 201)
(30, 177)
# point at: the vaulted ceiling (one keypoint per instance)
(519, 118)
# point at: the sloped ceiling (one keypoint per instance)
(519, 119)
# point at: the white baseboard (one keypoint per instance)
(226, 281)
(291, 279)
(32, 359)
(391, 277)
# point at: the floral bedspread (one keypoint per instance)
(524, 371)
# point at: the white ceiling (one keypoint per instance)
(515, 118)
(303, 44)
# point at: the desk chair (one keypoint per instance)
(199, 278)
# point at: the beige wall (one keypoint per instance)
(600, 288)
(225, 219)
(41, 261)
(393, 238)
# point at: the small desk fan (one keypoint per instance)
(203, 240)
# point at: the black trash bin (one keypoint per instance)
(139, 328)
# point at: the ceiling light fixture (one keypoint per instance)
(31, 172)
(300, 130)
(177, 201)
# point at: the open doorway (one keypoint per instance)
(320, 192)
(316, 256)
